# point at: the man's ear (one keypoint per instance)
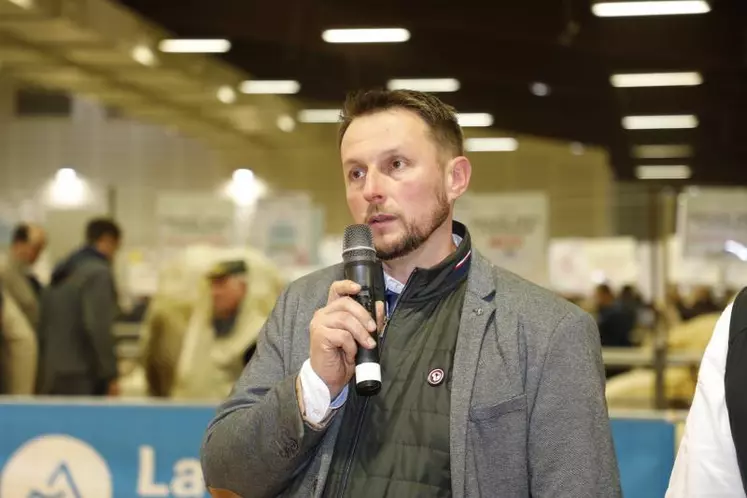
(458, 175)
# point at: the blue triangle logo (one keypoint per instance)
(59, 485)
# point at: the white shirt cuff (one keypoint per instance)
(316, 398)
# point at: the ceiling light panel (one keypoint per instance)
(655, 79)
(432, 85)
(664, 122)
(378, 35)
(654, 8)
(197, 46)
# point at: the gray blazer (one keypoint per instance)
(528, 412)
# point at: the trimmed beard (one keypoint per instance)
(415, 236)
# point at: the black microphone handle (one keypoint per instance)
(367, 369)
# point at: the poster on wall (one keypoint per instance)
(712, 220)
(511, 230)
(578, 265)
(287, 228)
(193, 218)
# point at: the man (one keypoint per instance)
(78, 310)
(26, 246)
(223, 329)
(20, 316)
(491, 386)
(616, 323)
(615, 319)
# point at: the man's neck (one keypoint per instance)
(434, 250)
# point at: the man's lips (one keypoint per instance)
(380, 218)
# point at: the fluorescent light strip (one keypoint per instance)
(380, 35)
(660, 122)
(425, 85)
(188, 46)
(655, 8)
(270, 86)
(655, 79)
(319, 116)
(663, 172)
(501, 144)
(662, 151)
(476, 119)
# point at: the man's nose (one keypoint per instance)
(373, 188)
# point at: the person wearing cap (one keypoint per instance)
(223, 328)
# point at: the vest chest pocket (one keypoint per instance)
(498, 440)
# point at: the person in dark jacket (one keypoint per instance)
(616, 318)
(491, 385)
(78, 310)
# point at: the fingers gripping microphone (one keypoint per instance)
(362, 267)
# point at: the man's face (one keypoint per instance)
(395, 180)
(109, 246)
(29, 251)
(603, 297)
(227, 293)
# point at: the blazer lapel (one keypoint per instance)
(478, 309)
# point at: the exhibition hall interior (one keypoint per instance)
(186, 156)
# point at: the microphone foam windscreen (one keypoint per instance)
(357, 243)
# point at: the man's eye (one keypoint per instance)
(398, 163)
(356, 174)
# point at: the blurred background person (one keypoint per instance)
(616, 317)
(27, 244)
(78, 310)
(235, 299)
(18, 348)
(20, 315)
(161, 338)
(616, 320)
(703, 303)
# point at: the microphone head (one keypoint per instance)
(357, 244)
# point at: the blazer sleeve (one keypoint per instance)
(571, 453)
(258, 440)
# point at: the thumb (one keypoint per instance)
(380, 316)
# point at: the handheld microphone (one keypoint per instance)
(362, 267)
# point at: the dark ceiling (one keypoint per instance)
(497, 50)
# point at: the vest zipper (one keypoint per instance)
(362, 414)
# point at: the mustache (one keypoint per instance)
(377, 210)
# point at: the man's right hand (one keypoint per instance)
(337, 330)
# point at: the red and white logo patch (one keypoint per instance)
(436, 376)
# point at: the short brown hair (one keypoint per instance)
(440, 118)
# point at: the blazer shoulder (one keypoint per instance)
(315, 285)
(533, 302)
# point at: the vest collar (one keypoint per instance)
(428, 283)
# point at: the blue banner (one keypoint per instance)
(645, 455)
(56, 450)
